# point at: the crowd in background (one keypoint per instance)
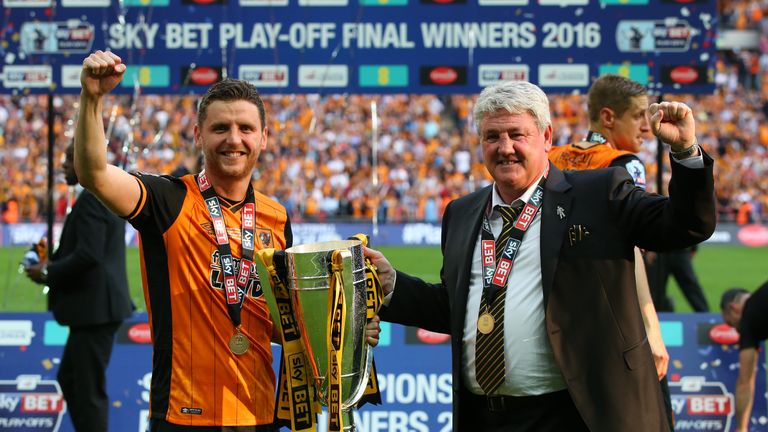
(320, 159)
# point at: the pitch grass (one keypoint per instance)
(718, 267)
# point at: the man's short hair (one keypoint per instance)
(231, 90)
(517, 97)
(731, 296)
(614, 92)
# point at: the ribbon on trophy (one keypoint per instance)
(309, 324)
(296, 405)
(375, 297)
(337, 319)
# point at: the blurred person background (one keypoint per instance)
(319, 161)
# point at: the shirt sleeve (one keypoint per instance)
(159, 204)
(634, 167)
(747, 335)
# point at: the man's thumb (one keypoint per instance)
(656, 120)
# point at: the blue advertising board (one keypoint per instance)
(360, 46)
(390, 234)
(413, 370)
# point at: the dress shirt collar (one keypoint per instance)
(496, 198)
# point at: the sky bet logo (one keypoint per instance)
(490, 74)
(29, 403)
(701, 405)
(264, 75)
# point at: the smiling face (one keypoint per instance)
(514, 151)
(231, 138)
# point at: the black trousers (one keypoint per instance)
(551, 412)
(679, 265)
(82, 375)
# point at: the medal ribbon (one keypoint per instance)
(495, 274)
(296, 402)
(234, 285)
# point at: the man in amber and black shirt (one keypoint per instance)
(211, 329)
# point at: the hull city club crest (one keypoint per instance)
(265, 237)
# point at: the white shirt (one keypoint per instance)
(529, 361)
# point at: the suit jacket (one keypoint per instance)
(593, 319)
(87, 274)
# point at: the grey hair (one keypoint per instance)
(517, 97)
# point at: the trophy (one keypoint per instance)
(322, 298)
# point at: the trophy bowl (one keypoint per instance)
(308, 274)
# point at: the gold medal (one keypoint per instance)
(485, 323)
(238, 343)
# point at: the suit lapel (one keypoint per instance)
(468, 221)
(554, 220)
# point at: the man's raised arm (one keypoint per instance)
(118, 190)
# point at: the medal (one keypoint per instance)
(238, 343)
(485, 323)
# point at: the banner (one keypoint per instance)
(403, 234)
(414, 377)
(361, 46)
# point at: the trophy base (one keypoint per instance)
(349, 421)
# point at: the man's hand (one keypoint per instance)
(102, 72)
(372, 331)
(673, 123)
(35, 272)
(660, 354)
(383, 268)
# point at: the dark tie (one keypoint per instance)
(489, 348)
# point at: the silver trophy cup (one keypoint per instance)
(309, 274)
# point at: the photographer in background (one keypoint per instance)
(745, 312)
(89, 293)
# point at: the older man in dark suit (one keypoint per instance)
(537, 287)
(88, 293)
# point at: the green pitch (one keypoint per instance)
(718, 268)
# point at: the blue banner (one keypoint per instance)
(413, 366)
(361, 46)
(408, 234)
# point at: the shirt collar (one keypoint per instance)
(496, 198)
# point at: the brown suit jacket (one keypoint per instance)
(592, 315)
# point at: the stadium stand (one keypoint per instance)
(318, 163)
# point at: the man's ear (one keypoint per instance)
(264, 137)
(607, 117)
(198, 138)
